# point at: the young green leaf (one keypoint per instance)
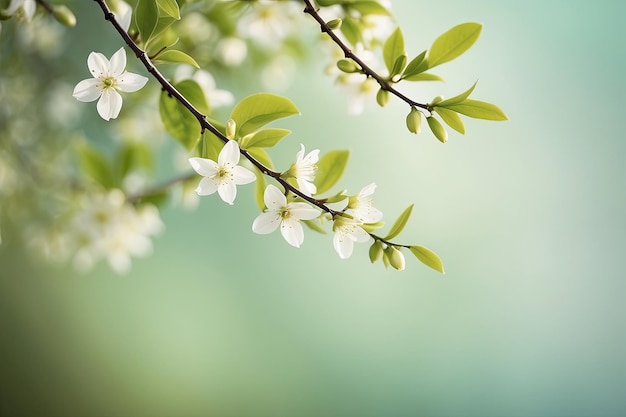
(453, 43)
(393, 48)
(314, 225)
(451, 118)
(330, 168)
(398, 67)
(367, 7)
(457, 99)
(146, 17)
(400, 223)
(169, 8)
(257, 110)
(259, 189)
(417, 65)
(427, 257)
(350, 29)
(265, 138)
(424, 76)
(262, 156)
(175, 56)
(479, 110)
(178, 121)
(437, 128)
(95, 165)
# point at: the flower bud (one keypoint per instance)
(334, 24)
(347, 65)
(376, 251)
(231, 128)
(436, 101)
(414, 120)
(437, 128)
(382, 97)
(64, 15)
(396, 258)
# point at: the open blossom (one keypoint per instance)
(347, 231)
(304, 170)
(109, 78)
(287, 215)
(360, 206)
(224, 175)
(27, 7)
(123, 13)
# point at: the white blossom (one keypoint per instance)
(110, 227)
(26, 7)
(304, 169)
(109, 78)
(347, 231)
(224, 175)
(287, 215)
(123, 13)
(360, 206)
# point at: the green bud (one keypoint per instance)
(4, 16)
(437, 128)
(334, 24)
(414, 120)
(64, 15)
(231, 128)
(436, 101)
(376, 251)
(382, 97)
(396, 259)
(347, 65)
(386, 255)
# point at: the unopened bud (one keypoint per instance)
(334, 24)
(414, 120)
(437, 128)
(231, 128)
(64, 15)
(396, 258)
(382, 97)
(376, 251)
(436, 101)
(347, 65)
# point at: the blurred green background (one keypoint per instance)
(528, 216)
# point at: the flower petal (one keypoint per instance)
(368, 190)
(87, 90)
(118, 63)
(110, 104)
(266, 223)
(229, 154)
(291, 229)
(98, 64)
(273, 198)
(306, 187)
(359, 235)
(343, 245)
(242, 175)
(303, 211)
(227, 191)
(203, 166)
(123, 14)
(312, 157)
(207, 186)
(129, 82)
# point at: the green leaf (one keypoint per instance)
(259, 189)
(314, 225)
(265, 138)
(451, 118)
(330, 168)
(453, 43)
(417, 65)
(177, 119)
(146, 17)
(175, 56)
(427, 257)
(368, 7)
(170, 8)
(479, 110)
(457, 99)
(350, 29)
(393, 48)
(262, 156)
(257, 110)
(437, 128)
(95, 165)
(400, 223)
(162, 25)
(211, 146)
(132, 156)
(424, 76)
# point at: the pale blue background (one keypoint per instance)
(528, 216)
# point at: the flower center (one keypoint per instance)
(108, 82)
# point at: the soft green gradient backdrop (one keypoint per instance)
(528, 216)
